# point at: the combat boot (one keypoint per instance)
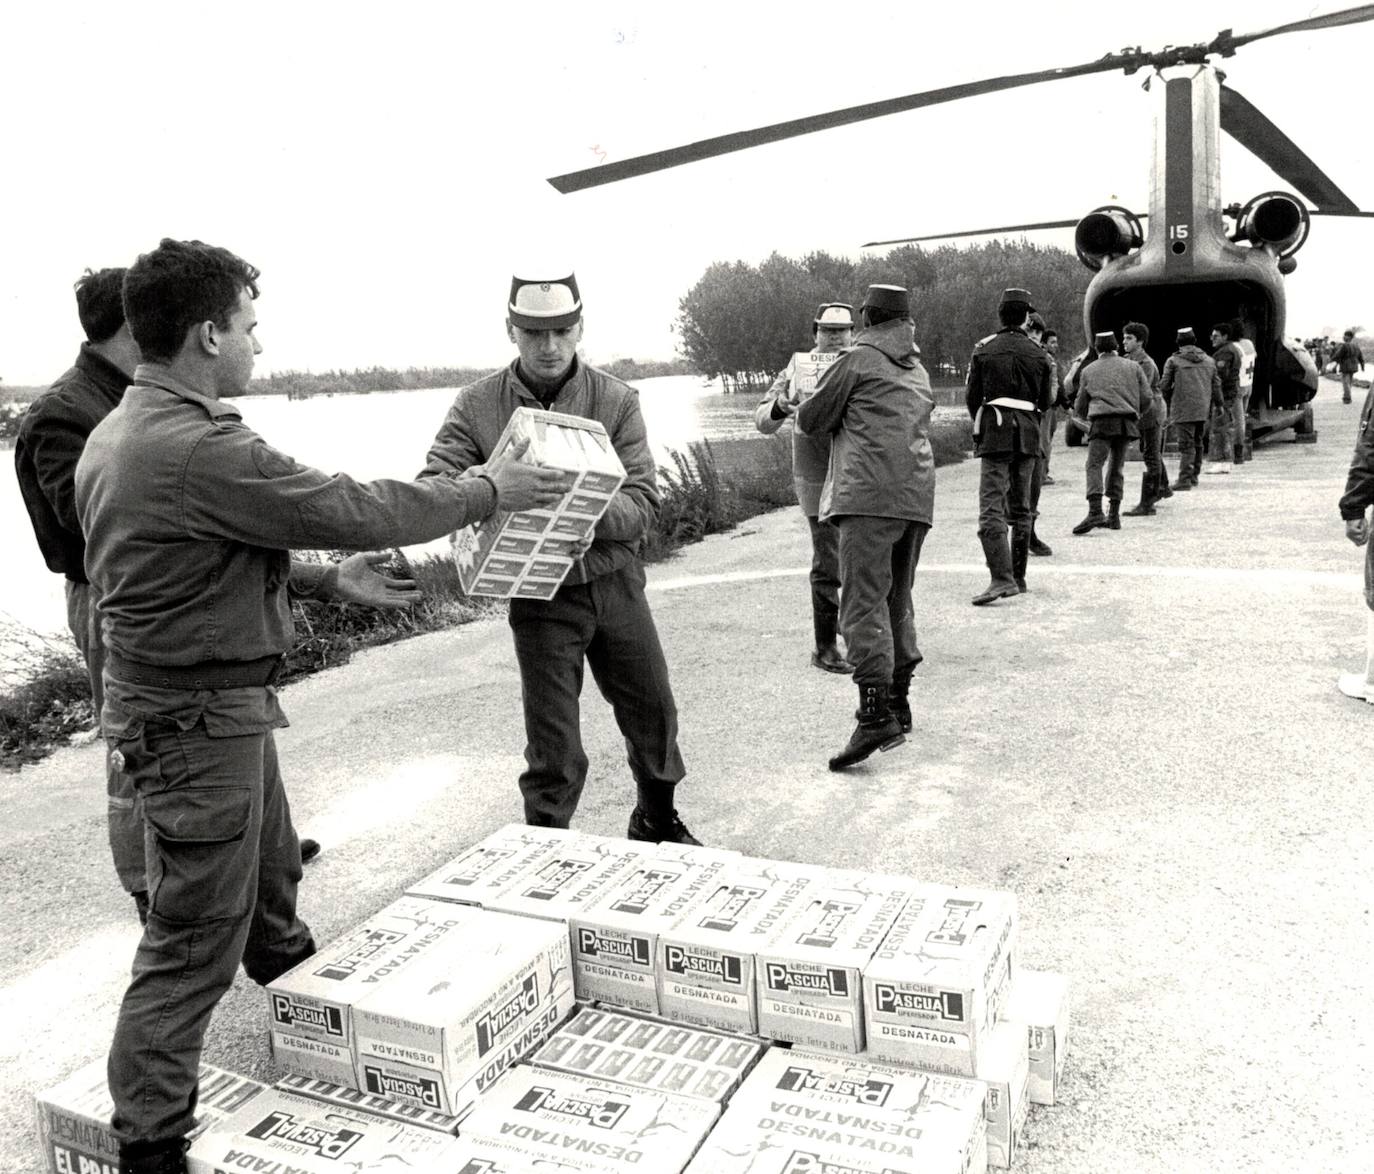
(900, 703)
(827, 655)
(1146, 508)
(877, 728)
(1095, 516)
(665, 829)
(1162, 488)
(1114, 516)
(1037, 547)
(153, 1157)
(998, 556)
(1020, 550)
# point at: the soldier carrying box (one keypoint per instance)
(599, 616)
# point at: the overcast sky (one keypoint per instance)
(384, 165)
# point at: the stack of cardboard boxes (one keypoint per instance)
(909, 1037)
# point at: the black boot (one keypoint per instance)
(153, 1157)
(1020, 550)
(1162, 489)
(877, 728)
(1146, 508)
(663, 828)
(1238, 453)
(1037, 547)
(827, 655)
(900, 703)
(1114, 517)
(998, 557)
(1095, 516)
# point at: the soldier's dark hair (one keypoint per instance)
(1049, 334)
(178, 285)
(1013, 313)
(1223, 328)
(1139, 329)
(876, 316)
(99, 302)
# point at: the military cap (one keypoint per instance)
(837, 314)
(551, 304)
(1016, 295)
(892, 298)
(1103, 335)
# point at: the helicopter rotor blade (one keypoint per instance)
(937, 236)
(1226, 44)
(575, 181)
(1244, 123)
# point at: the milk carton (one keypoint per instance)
(610, 1127)
(934, 987)
(807, 370)
(474, 876)
(810, 972)
(800, 1110)
(280, 1131)
(74, 1116)
(311, 1005)
(1003, 1071)
(1039, 1002)
(366, 1102)
(615, 935)
(527, 555)
(706, 959)
(440, 1033)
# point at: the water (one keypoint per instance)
(367, 436)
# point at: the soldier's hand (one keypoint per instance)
(786, 404)
(524, 486)
(359, 582)
(1357, 531)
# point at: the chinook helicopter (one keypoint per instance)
(1203, 262)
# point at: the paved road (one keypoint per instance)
(1185, 819)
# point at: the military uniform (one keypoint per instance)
(189, 517)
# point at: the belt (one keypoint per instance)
(1002, 401)
(209, 674)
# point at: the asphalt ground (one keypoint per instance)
(1148, 748)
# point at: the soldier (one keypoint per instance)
(1154, 482)
(1348, 359)
(1111, 391)
(1048, 341)
(832, 330)
(1191, 387)
(1009, 382)
(1354, 507)
(1229, 360)
(599, 618)
(875, 401)
(189, 518)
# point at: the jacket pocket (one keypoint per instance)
(199, 815)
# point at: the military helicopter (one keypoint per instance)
(1202, 263)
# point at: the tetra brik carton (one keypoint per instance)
(280, 1131)
(310, 1007)
(527, 554)
(608, 1126)
(1003, 1066)
(1039, 1002)
(74, 1116)
(934, 987)
(615, 935)
(444, 1030)
(706, 959)
(810, 972)
(490, 865)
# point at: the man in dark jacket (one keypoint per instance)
(1110, 393)
(189, 519)
(1348, 359)
(52, 435)
(1191, 387)
(1154, 482)
(875, 402)
(1009, 384)
(1229, 360)
(599, 617)
(1354, 507)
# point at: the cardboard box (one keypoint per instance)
(527, 554)
(1039, 1000)
(366, 1102)
(934, 987)
(481, 1155)
(602, 1043)
(612, 1125)
(807, 370)
(73, 1117)
(810, 972)
(615, 934)
(280, 1131)
(559, 883)
(1004, 1071)
(310, 1006)
(800, 1110)
(474, 876)
(440, 1033)
(706, 960)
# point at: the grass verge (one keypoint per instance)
(709, 489)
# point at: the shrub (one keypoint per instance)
(47, 697)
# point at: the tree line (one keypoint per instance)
(742, 322)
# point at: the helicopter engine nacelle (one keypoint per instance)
(1106, 233)
(1274, 220)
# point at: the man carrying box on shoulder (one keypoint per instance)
(599, 616)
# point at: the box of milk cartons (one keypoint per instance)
(489, 866)
(527, 554)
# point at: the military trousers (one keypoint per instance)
(825, 577)
(1111, 452)
(1004, 494)
(878, 558)
(607, 625)
(1190, 446)
(124, 823)
(223, 864)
